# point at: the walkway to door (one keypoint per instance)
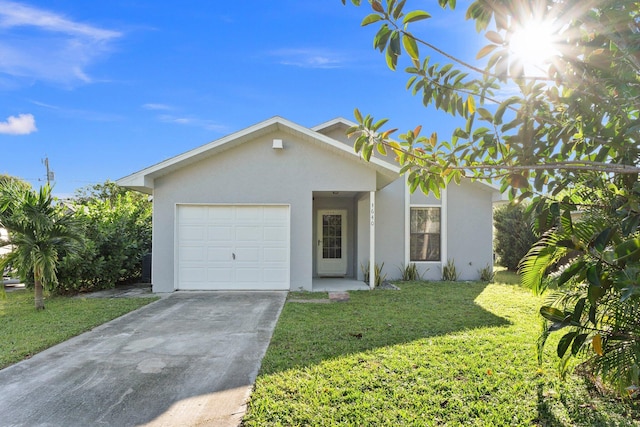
(331, 284)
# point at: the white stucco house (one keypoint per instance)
(279, 206)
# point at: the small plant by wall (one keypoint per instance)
(449, 271)
(379, 278)
(486, 274)
(410, 272)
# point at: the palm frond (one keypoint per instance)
(540, 257)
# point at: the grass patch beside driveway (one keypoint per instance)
(430, 354)
(25, 331)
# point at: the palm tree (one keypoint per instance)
(39, 232)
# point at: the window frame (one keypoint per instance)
(421, 206)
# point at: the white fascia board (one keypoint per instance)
(333, 122)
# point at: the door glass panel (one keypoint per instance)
(331, 236)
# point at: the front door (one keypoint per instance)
(332, 242)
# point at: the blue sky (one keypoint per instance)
(106, 88)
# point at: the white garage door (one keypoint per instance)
(221, 247)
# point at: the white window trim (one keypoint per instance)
(443, 227)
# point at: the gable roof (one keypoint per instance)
(143, 180)
(338, 122)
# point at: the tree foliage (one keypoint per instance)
(39, 233)
(116, 224)
(514, 235)
(574, 120)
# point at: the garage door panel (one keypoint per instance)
(221, 214)
(193, 233)
(273, 214)
(275, 275)
(275, 234)
(278, 255)
(193, 274)
(195, 214)
(248, 233)
(251, 214)
(220, 233)
(247, 254)
(249, 274)
(191, 253)
(222, 274)
(217, 254)
(209, 237)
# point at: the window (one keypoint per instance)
(425, 234)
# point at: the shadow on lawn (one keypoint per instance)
(310, 333)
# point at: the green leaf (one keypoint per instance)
(416, 15)
(593, 274)
(578, 342)
(592, 314)
(485, 114)
(370, 19)
(398, 9)
(410, 46)
(578, 309)
(628, 250)
(357, 115)
(381, 38)
(602, 240)
(553, 314)
(564, 343)
(379, 124)
(393, 50)
(570, 271)
(414, 185)
(594, 293)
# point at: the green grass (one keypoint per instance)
(429, 354)
(25, 331)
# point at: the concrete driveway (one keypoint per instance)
(189, 359)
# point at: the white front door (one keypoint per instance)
(332, 242)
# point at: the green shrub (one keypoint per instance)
(514, 235)
(410, 272)
(449, 271)
(116, 225)
(486, 274)
(379, 278)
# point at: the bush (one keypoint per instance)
(116, 225)
(514, 235)
(379, 277)
(486, 274)
(450, 272)
(410, 272)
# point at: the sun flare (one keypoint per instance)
(534, 44)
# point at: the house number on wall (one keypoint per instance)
(373, 214)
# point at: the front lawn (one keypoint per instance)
(429, 354)
(25, 331)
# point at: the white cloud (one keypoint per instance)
(309, 58)
(152, 106)
(23, 124)
(37, 44)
